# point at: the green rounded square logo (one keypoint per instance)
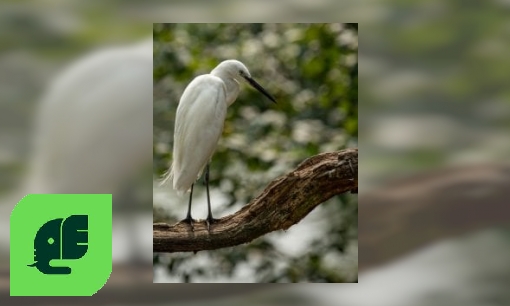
(61, 244)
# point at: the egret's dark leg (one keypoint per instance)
(188, 219)
(210, 218)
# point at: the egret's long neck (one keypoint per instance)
(231, 84)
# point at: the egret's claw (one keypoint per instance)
(189, 221)
(210, 221)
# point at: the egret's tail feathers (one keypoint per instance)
(167, 176)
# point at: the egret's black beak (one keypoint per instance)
(257, 86)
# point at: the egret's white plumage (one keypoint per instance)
(200, 118)
(195, 140)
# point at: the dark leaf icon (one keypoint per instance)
(60, 239)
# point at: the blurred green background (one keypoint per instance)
(435, 87)
(312, 70)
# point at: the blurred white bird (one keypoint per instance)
(199, 124)
(93, 125)
(93, 134)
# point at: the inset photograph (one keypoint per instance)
(255, 158)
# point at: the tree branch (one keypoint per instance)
(283, 203)
(406, 214)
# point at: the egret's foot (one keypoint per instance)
(209, 221)
(189, 221)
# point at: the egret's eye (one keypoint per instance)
(241, 72)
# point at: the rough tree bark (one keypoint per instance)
(283, 203)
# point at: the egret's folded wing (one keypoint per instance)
(198, 127)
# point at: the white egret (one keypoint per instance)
(199, 123)
(93, 134)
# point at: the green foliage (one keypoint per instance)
(311, 69)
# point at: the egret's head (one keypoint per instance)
(232, 68)
(238, 71)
